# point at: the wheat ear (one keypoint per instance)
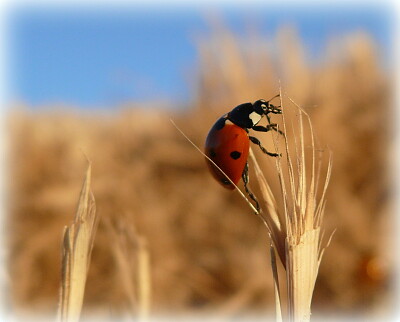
(76, 250)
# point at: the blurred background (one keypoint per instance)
(104, 83)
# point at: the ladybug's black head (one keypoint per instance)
(248, 115)
(265, 107)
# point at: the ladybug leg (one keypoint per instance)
(245, 177)
(269, 127)
(257, 141)
(275, 109)
(268, 117)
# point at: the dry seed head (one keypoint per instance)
(295, 228)
(76, 252)
(299, 177)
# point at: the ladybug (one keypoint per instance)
(228, 142)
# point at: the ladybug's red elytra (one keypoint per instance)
(228, 142)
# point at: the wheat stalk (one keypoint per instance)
(296, 231)
(143, 280)
(133, 262)
(76, 250)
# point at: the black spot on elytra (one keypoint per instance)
(220, 124)
(212, 153)
(235, 155)
(225, 181)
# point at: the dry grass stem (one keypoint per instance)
(143, 280)
(296, 233)
(76, 250)
(277, 291)
(133, 263)
(271, 218)
(304, 219)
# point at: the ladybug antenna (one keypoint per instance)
(277, 95)
(272, 108)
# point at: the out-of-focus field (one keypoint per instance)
(207, 250)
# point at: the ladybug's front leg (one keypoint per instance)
(245, 177)
(257, 141)
(274, 109)
(269, 127)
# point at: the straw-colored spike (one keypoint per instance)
(302, 262)
(303, 241)
(299, 243)
(277, 290)
(143, 280)
(76, 251)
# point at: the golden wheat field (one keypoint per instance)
(207, 252)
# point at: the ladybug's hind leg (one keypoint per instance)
(257, 141)
(245, 177)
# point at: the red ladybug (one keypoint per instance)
(227, 143)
